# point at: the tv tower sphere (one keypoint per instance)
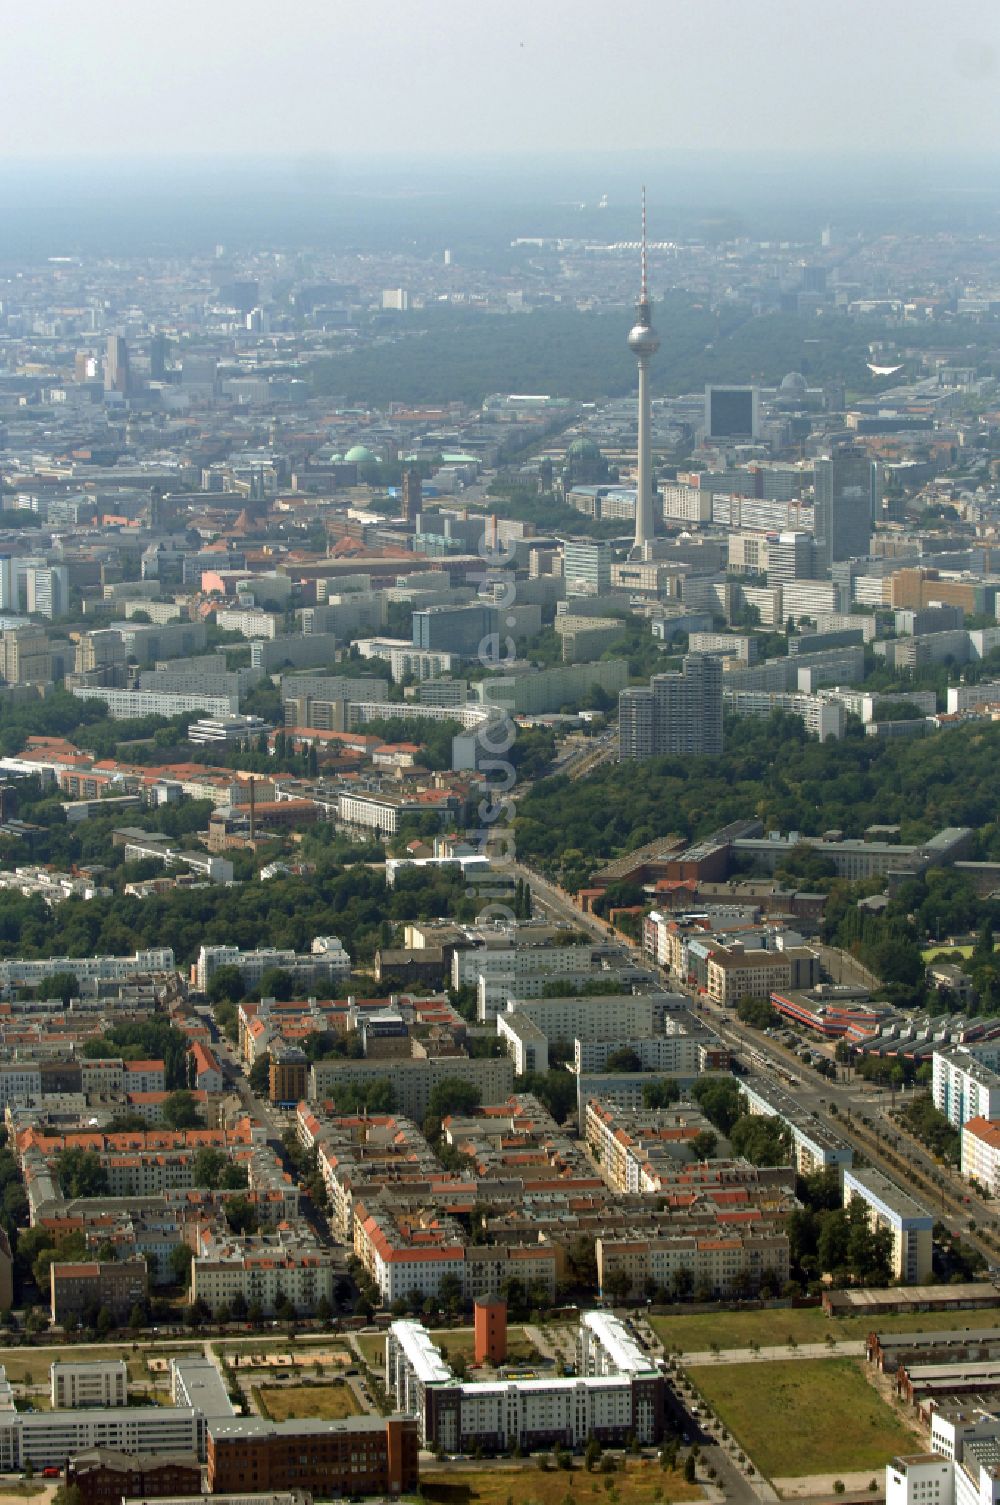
(642, 337)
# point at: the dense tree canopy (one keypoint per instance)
(352, 903)
(773, 770)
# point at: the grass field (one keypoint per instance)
(19, 1362)
(831, 1419)
(458, 1341)
(328, 1402)
(953, 953)
(642, 1484)
(695, 1332)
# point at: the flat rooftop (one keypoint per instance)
(888, 1194)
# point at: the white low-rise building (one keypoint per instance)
(928, 1479)
(48, 1438)
(72, 1385)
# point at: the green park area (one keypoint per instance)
(329, 1402)
(642, 1483)
(831, 1420)
(695, 1332)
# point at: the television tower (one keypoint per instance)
(644, 342)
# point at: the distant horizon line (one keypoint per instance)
(837, 157)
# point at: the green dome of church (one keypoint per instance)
(358, 454)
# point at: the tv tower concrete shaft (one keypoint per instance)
(644, 342)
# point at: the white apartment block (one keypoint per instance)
(509, 960)
(382, 813)
(125, 704)
(734, 973)
(102, 1076)
(966, 1082)
(400, 1268)
(144, 1076)
(685, 504)
(814, 1146)
(920, 1479)
(674, 1053)
(808, 598)
(326, 961)
(48, 1438)
(519, 971)
(17, 972)
(249, 622)
(589, 1016)
(928, 1479)
(863, 702)
(724, 1262)
(909, 1224)
(20, 1082)
(10, 1432)
(422, 663)
(981, 1154)
(262, 1276)
(616, 1394)
(413, 1081)
(73, 1385)
(823, 718)
(524, 1042)
(964, 697)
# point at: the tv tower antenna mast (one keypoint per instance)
(644, 342)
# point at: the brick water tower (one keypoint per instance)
(491, 1331)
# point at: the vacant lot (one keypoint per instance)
(695, 1332)
(830, 1417)
(642, 1484)
(328, 1402)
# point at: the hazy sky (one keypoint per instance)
(346, 77)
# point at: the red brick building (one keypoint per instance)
(491, 1330)
(362, 1455)
(104, 1476)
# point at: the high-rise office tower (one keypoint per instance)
(846, 504)
(413, 493)
(732, 412)
(116, 372)
(677, 715)
(47, 590)
(790, 557)
(587, 567)
(644, 342)
(159, 349)
(8, 584)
